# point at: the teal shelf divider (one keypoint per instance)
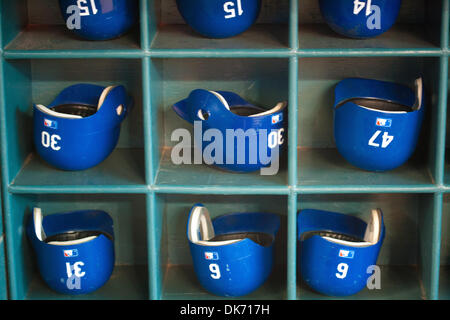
(293, 120)
(441, 122)
(3, 278)
(445, 31)
(293, 25)
(295, 56)
(154, 243)
(292, 247)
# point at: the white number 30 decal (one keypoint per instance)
(50, 141)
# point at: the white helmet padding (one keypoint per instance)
(49, 111)
(102, 98)
(371, 236)
(275, 109)
(40, 233)
(201, 230)
(391, 107)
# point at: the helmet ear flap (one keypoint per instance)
(222, 99)
(200, 227)
(38, 228)
(373, 230)
(119, 109)
(103, 96)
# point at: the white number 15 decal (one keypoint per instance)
(385, 142)
(229, 7)
(84, 8)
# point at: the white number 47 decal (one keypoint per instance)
(386, 140)
(359, 6)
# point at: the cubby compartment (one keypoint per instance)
(444, 276)
(38, 26)
(176, 273)
(319, 161)
(169, 30)
(129, 279)
(40, 81)
(408, 254)
(417, 27)
(263, 82)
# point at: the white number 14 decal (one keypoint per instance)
(385, 142)
(373, 12)
(359, 5)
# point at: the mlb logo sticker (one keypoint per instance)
(384, 122)
(277, 118)
(71, 253)
(211, 256)
(50, 124)
(348, 254)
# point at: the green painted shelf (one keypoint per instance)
(397, 283)
(289, 54)
(180, 285)
(126, 283)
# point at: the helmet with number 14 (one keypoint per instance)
(360, 18)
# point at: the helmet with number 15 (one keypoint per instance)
(219, 18)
